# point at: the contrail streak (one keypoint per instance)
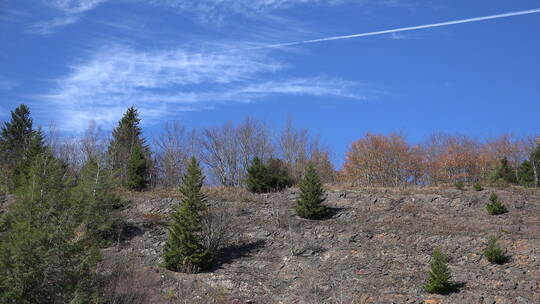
(403, 29)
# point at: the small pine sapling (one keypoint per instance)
(495, 207)
(439, 277)
(494, 253)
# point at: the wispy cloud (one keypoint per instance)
(166, 82)
(67, 12)
(6, 85)
(215, 11)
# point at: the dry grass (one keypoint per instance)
(155, 219)
(230, 194)
(128, 284)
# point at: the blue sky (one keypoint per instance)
(204, 62)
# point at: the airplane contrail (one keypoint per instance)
(403, 29)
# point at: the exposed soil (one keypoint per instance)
(374, 248)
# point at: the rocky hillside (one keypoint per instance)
(375, 248)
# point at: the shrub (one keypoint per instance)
(310, 203)
(495, 207)
(439, 278)
(493, 252)
(460, 185)
(478, 187)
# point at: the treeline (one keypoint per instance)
(379, 160)
(226, 153)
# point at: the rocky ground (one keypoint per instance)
(374, 248)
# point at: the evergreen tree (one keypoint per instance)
(478, 187)
(98, 207)
(184, 250)
(137, 171)
(312, 195)
(18, 143)
(45, 256)
(503, 173)
(495, 207)
(439, 277)
(258, 177)
(126, 137)
(494, 252)
(534, 160)
(526, 174)
(279, 175)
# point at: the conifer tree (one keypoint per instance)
(439, 278)
(44, 257)
(526, 174)
(504, 173)
(493, 252)
(18, 143)
(184, 250)
(495, 207)
(279, 175)
(258, 177)
(97, 205)
(312, 196)
(137, 171)
(126, 137)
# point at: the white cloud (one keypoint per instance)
(68, 12)
(214, 11)
(167, 82)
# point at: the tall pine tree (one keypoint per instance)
(127, 136)
(184, 250)
(312, 196)
(137, 171)
(18, 143)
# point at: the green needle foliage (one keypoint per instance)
(184, 250)
(46, 253)
(137, 171)
(439, 279)
(19, 142)
(526, 174)
(460, 185)
(478, 187)
(493, 252)
(495, 207)
(312, 196)
(126, 140)
(258, 177)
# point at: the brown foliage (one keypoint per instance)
(379, 160)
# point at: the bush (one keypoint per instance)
(311, 197)
(495, 207)
(439, 279)
(494, 252)
(460, 185)
(478, 187)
